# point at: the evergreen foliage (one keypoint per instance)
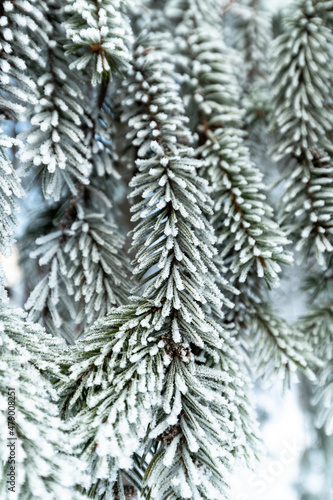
(242, 218)
(167, 321)
(10, 186)
(100, 31)
(85, 272)
(148, 130)
(249, 240)
(44, 467)
(56, 138)
(250, 33)
(302, 123)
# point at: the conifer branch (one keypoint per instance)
(242, 217)
(166, 330)
(302, 123)
(100, 36)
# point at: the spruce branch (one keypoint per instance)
(84, 271)
(109, 394)
(23, 33)
(100, 37)
(173, 244)
(29, 357)
(307, 205)
(318, 330)
(45, 466)
(238, 192)
(247, 233)
(55, 143)
(10, 189)
(302, 124)
(173, 250)
(250, 33)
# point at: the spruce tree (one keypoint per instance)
(139, 141)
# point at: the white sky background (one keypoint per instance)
(284, 437)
